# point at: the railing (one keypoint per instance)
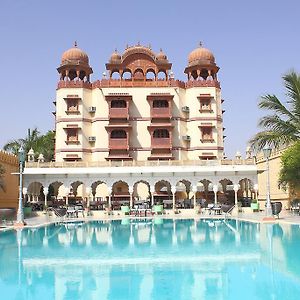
(161, 143)
(160, 112)
(134, 163)
(118, 144)
(118, 113)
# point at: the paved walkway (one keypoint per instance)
(44, 219)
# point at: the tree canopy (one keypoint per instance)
(40, 143)
(282, 126)
(290, 167)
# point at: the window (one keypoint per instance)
(118, 104)
(161, 133)
(72, 105)
(118, 134)
(72, 136)
(206, 133)
(160, 103)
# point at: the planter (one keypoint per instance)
(27, 211)
(255, 206)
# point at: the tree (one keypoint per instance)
(282, 127)
(41, 144)
(290, 168)
(2, 183)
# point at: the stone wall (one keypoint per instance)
(9, 197)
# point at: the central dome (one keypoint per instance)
(201, 53)
(74, 55)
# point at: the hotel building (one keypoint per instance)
(138, 124)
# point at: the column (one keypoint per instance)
(152, 191)
(67, 191)
(130, 189)
(88, 191)
(194, 190)
(215, 189)
(109, 196)
(173, 190)
(46, 191)
(236, 187)
(255, 190)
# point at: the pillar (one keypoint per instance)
(236, 187)
(88, 191)
(152, 190)
(194, 190)
(215, 189)
(173, 190)
(67, 191)
(256, 190)
(130, 189)
(109, 196)
(46, 191)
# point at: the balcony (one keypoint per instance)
(161, 112)
(161, 143)
(118, 144)
(118, 113)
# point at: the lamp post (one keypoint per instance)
(20, 214)
(267, 153)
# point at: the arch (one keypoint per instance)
(194, 74)
(204, 191)
(120, 194)
(246, 188)
(161, 133)
(82, 75)
(72, 74)
(162, 191)
(226, 192)
(115, 74)
(204, 74)
(35, 191)
(118, 134)
(120, 103)
(138, 74)
(162, 75)
(127, 75)
(53, 192)
(141, 190)
(150, 75)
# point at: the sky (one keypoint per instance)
(254, 42)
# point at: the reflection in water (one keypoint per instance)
(151, 259)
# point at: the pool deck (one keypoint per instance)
(43, 219)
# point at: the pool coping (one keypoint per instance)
(258, 219)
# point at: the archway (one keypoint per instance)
(163, 194)
(120, 195)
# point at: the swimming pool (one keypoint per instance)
(151, 259)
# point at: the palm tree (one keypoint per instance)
(41, 144)
(2, 183)
(282, 127)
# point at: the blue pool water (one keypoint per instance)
(151, 259)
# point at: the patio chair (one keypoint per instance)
(79, 209)
(209, 208)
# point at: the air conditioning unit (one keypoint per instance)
(92, 139)
(92, 109)
(185, 109)
(186, 138)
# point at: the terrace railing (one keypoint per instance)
(133, 163)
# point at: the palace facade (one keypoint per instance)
(136, 126)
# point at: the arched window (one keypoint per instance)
(115, 75)
(150, 75)
(118, 104)
(204, 74)
(126, 75)
(162, 75)
(118, 134)
(160, 103)
(161, 133)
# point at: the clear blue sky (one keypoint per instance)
(255, 42)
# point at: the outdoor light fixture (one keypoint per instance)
(267, 150)
(20, 214)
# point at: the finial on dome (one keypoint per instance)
(116, 50)
(200, 44)
(127, 46)
(139, 43)
(149, 46)
(160, 50)
(75, 44)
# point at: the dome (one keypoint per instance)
(115, 57)
(202, 54)
(74, 55)
(161, 56)
(137, 50)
